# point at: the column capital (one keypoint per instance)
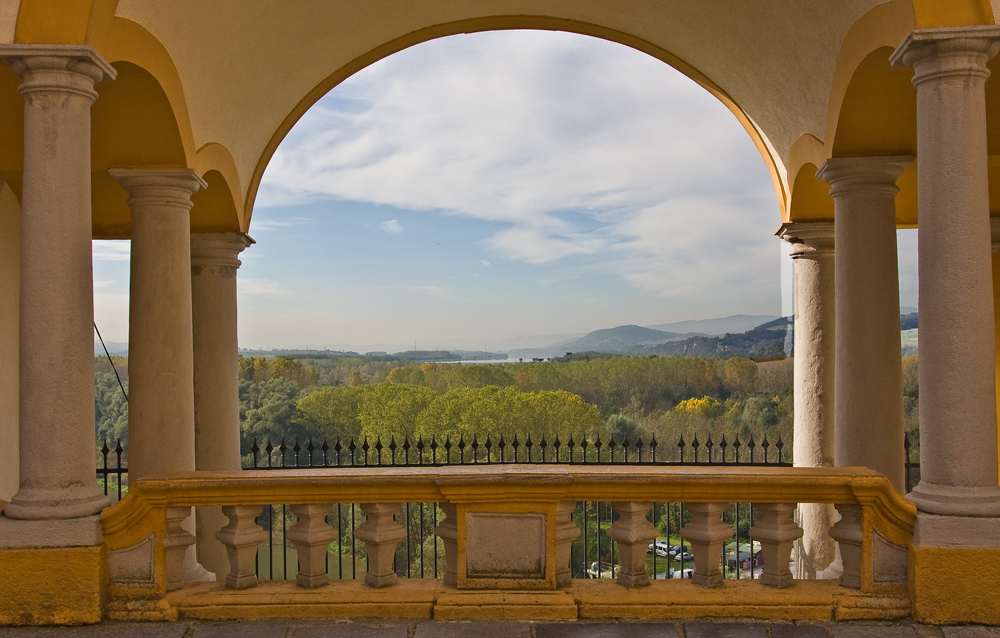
(73, 68)
(948, 52)
(808, 238)
(218, 249)
(847, 175)
(164, 186)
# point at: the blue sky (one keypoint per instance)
(486, 186)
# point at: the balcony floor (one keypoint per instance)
(509, 629)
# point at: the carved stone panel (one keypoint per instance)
(505, 545)
(133, 565)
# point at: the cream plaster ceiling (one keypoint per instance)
(245, 65)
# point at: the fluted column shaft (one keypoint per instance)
(815, 348)
(958, 419)
(868, 405)
(56, 376)
(216, 375)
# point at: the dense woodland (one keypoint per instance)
(614, 396)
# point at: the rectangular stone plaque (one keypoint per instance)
(505, 545)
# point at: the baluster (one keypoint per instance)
(311, 536)
(176, 542)
(380, 534)
(638, 451)
(567, 531)
(847, 533)
(765, 445)
(706, 532)
(326, 453)
(447, 531)
(241, 537)
(633, 533)
(475, 448)
(776, 533)
(695, 445)
(555, 449)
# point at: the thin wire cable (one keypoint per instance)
(108, 355)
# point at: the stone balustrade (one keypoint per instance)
(507, 528)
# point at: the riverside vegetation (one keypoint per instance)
(620, 396)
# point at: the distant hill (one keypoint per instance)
(115, 348)
(621, 339)
(716, 327)
(766, 341)
(539, 341)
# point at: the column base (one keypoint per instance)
(61, 504)
(71, 532)
(950, 585)
(949, 500)
(53, 586)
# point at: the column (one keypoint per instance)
(958, 420)
(56, 369)
(161, 369)
(995, 262)
(868, 402)
(815, 347)
(216, 375)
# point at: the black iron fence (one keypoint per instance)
(594, 555)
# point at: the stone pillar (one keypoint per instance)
(995, 262)
(815, 347)
(56, 375)
(958, 497)
(10, 274)
(868, 406)
(216, 375)
(161, 369)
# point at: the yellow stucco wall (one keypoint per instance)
(53, 586)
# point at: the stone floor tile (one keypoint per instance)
(725, 630)
(240, 630)
(442, 629)
(352, 630)
(605, 630)
(854, 630)
(104, 630)
(798, 630)
(970, 631)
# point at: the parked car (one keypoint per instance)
(678, 549)
(664, 575)
(686, 573)
(685, 557)
(604, 571)
(662, 548)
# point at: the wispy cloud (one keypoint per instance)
(257, 286)
(431, 290)
(484, 262)
(391, 226)
(580, 148)
(111, 250)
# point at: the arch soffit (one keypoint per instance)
(118, 39)
(512, 22)
(876, 33)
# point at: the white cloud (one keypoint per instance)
(391, 226)
(257, 286)
(102, 284)
(586, 154)
(484, 263)
(111, 250)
